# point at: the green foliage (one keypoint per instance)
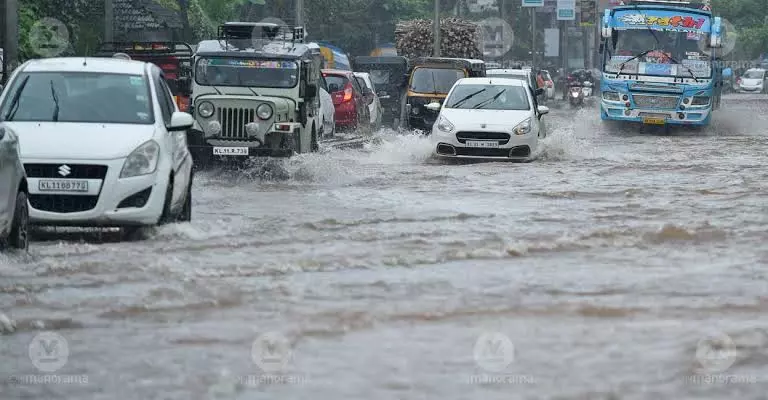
(748, 17)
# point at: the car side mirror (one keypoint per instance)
(539, 91)
(543, 110)
(433, 106)
(369, 98)
(310, 91)
(180, 121)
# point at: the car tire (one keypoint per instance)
(166, 217)
(186, 211)
(19, 236)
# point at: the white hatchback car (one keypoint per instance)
(102, 142)
(491, 118)
(753, 81)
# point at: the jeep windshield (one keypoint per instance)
(229, 71)
(88, 97)
(434, 80)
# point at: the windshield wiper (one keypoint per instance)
(621, 67)
(492, 99)
(15, 100)
(55, 117)
(687, 68)
(471, 95)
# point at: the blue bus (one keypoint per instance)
(659, 63)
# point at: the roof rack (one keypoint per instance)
(249, 31)
(146, 49)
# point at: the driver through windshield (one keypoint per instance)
(223, 71)
(489, 97)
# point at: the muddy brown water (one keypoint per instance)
(618, 265)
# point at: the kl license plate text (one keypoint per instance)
(483, 144)
(230, 151)
(62, 185)
(654, 121)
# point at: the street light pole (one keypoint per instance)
(436, 27)
(533, 37)
(11, 45)
(299, 12)
(109, 21)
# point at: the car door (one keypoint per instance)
(327, 106)
(364, 116)
(376, 116)
(7, 186)
(536, 119)
(177, 150)
(364, 87)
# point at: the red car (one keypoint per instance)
(350, 100)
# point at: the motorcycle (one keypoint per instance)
(587, 89)
(576, 95)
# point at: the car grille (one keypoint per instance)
(76, 171)
(480, 152)
(502, 137)
(62, 203)
(651, 101)
(233, 121)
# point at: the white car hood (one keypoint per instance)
(472, 119)
(79, 141)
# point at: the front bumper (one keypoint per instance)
(518, 147)
(206, 149)
(750, 89)
(101, 205)
(616, 111)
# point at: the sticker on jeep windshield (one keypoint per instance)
(233, 62)
(137, 81)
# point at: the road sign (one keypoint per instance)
(533, 3)
(566, 10)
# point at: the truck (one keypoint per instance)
(660, 64)
(255, 93)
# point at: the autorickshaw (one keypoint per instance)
(387, 74)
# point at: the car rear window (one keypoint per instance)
(336, 83)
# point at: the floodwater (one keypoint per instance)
(618, 265)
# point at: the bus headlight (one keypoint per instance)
(205, 109)
(611, 96)
(700, 101)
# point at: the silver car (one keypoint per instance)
(14, 211)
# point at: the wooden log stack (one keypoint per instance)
(458, 38)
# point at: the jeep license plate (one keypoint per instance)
(230, 151)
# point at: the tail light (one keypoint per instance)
(347, 93)
(183, 103)
(549, 84)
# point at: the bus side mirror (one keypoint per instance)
(716, 38)
(606, 30)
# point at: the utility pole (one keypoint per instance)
(299, 12)
(533, 37)
(436, 27)
(11, 36)
(109, 21)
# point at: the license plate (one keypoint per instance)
(484, 144)
(62, 185)
(230, 151)
(654, 121)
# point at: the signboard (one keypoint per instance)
(662, 21)
(533, 3)
(588, 12)
(566, 10)
(552, 42)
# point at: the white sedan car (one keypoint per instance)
(488, 118)
(102, 142)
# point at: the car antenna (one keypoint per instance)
(85, 58)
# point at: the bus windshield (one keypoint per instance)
(672, 45)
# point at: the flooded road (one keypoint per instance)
(616, 266)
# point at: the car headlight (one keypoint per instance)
(206, 109)
(523, 128)
(444, 125)
(264, 111)
(141, 161)
(611, 96)
(700, 101)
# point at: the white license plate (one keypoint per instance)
(230, 151)
(482, 143)
(62, 185)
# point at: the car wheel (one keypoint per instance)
(19, 237)
(186, 211)
(166, 217)
(314, 145)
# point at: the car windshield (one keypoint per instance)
(489, 97)
(380, 77)
(79, 97)
(434, 80)
(754, 74)
(336, 83)
(227, 71)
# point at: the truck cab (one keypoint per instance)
(428, 81)
(255, 94)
